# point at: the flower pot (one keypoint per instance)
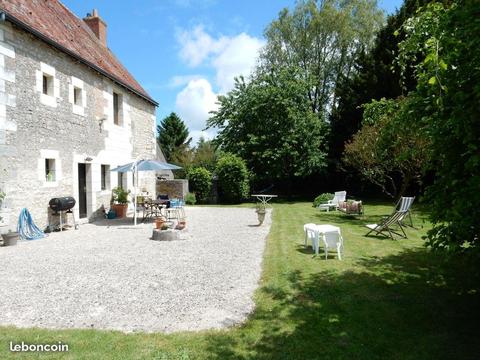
(159, 223)
(120, 210)
(10, 239)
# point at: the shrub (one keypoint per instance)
(322, 198)
(200, 182)
(233, 178)
(190, 199)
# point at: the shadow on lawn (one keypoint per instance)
(408, 306)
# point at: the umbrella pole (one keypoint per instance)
(135, 172)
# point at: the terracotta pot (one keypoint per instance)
(159, 222)
(120, 210)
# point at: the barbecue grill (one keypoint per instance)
(63, 205)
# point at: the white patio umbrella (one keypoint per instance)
(143, 165)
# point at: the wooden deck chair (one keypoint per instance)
(404, 204)
(387, 224)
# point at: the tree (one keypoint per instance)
(444, 41)
(233, 178)
(173, 137)
(389, 150)
(269, 123)
(205, 154)
(322, 38)
(376, 76)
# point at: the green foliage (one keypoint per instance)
(173, 137)
(120, 195)
(205, 155)
(190, 199)
(200, 182)
(269, 123)
(389, 146)
(322, 38)
(233, 178)
(444, 41)
(322, 198)
(376, 76)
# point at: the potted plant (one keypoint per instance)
(181, 224)
(261, 211)
(159, 221)
(120, 201)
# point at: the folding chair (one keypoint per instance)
(386, 225)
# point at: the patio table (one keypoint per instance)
(154, 207)
(264, 199)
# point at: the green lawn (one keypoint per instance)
(386, 300)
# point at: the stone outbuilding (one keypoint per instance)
(69, 113)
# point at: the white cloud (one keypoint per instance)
(238, 57)
(181, 80)
(194, 103)
(229, 56)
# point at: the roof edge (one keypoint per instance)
(60, 47)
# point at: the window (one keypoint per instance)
(47, 84)
(117, 108)
(50, 170)
(77, 96)
(105, 177)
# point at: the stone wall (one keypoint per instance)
(35, 127)
(175, 189)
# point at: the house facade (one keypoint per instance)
(69, 113)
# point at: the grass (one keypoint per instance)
(387, 300)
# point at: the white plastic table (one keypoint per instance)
(264, 199)
(318, 230)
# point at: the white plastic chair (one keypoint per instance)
(311, 234)
(333, 240)
(338, 197)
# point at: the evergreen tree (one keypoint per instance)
(173, 137)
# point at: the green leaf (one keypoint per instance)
(432, 80)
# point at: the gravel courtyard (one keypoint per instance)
(111, 276)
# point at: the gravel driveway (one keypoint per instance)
(111, 276)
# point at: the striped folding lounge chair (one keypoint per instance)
(388, 225)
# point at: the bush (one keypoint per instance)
(200, 182)
(190, 199)
(322, 198)
(233, 179)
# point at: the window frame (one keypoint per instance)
(50, 168)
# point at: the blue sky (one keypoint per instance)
(185, 52)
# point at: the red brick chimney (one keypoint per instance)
(98, 26)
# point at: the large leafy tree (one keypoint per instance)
(376, 76)
(173, 137)
(389, 150)
(268, 122)
(444, 41)
(205, 154)
(323, 39)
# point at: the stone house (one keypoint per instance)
(69, 112)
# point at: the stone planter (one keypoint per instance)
(10, 239)
(120, 210)
(165, 235)
(261, 216)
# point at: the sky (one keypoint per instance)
(186, 52)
